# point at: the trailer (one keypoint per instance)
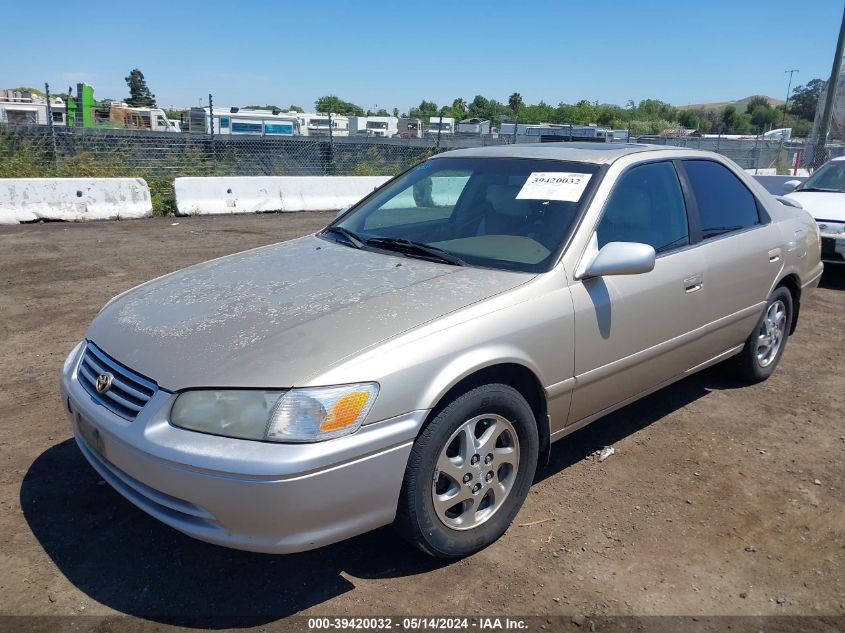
(235, 120)
(410, 127)
(381, 126)
(129, 118)
(551, 132)
(318, 125)
(443, 125)
(474, 126)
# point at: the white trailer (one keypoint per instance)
(385, 126)
(357, 125)
(442, 125)
(25, 108)
(474, 126)
(243, 121)
(318, 125)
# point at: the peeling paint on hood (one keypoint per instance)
(275, 316)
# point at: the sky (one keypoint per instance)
(394, 54)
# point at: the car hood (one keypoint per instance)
(822, 205)
(279, 315)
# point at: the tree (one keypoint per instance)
(262, 107)
(295, 108)
(331, 103)
(756, 102)
(515, 104)
(139, 93)
(764, 116)
(425, 110)
(689, 119)
(729, 116)
(479, 108)
(396, 112)
(805, 99)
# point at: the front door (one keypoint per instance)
(633, 332)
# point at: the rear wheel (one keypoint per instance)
(764, 348)
(469, 472)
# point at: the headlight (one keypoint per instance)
(299, 415)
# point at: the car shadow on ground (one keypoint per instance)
(833, 277)
(620, 424)
(134, 564)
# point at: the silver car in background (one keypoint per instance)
(412, 362)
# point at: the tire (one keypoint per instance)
(755, 363)
(487, 440)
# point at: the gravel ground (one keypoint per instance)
(720, 499)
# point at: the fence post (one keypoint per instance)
(211, 128)
(52, 129)
(330, 162)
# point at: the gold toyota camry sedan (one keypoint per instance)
(412, 362)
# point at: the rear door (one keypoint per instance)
(633, 332)
(740, 248)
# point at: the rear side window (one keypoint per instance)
(646, 206)
(724, 203)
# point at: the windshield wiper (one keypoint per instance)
(409, 247)
(826, 189)
(350, 237)
(713, 231)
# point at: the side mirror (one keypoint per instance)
(790, 185)
(341, 212)
(622, 258)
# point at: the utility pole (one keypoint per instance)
(824, 127)
(791, 72)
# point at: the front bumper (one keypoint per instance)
(257, 496)
(833, 248)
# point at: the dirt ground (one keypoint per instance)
(720, 499)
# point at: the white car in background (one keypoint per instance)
(823, 195)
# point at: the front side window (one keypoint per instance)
(724, 203)
(506, 213)
(646, 206)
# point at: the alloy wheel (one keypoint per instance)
(475, 471)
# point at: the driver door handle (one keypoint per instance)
(694, 283)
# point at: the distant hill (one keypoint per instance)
(739, 103)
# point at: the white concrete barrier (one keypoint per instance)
(73, 199)
(771, 171)
(258, 194)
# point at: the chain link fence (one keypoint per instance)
(44, 151)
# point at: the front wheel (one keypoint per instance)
(469, 472)
(764, 348)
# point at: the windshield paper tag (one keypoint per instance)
(554, 185)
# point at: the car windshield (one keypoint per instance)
(830, 177)
(507, 213)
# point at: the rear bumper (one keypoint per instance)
(247, 495)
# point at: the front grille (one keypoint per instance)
(128, 393)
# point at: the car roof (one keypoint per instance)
(597, 153)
